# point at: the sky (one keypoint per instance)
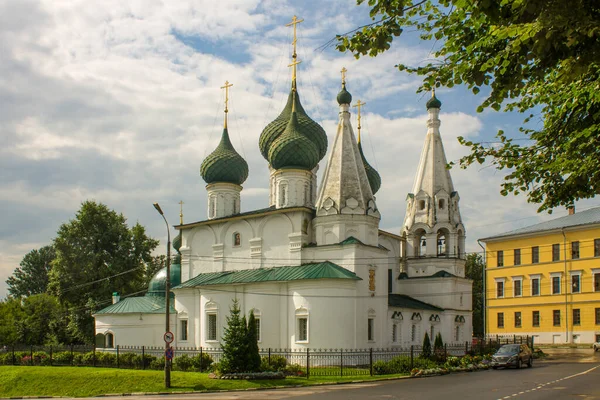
(119, 102)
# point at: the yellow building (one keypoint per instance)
(544, 280)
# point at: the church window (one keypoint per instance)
(211, 326)
(395, 333)
(237, 239)
(422, 249)
(371, 329)
(110, 340)
(282, 195)
(305, 226)
(413, 333)
(441, 244)
(432, 332)
(184, 329)
(257, 320)
(457, 334)
(213, 207)
(421, 205)
(441, 204)
(302, 325)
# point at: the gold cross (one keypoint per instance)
(226, 87)
(358, 105)
(343, 71)
(295, 21)
(181, 203)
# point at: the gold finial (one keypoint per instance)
(343, 71)
(226, 87)
(295, 61)
(181, 203)
(432, 92)
(358, 105)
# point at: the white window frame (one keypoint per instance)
(503, 281)
(183, 322)
(539, 278)
(520, 280)
(209, 314)
(302, 314)
(257, 317)
(371, 326)
(571, 275)
(559, 276)
(112, 334)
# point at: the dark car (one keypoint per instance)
(512, 355)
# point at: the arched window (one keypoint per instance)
(422, 246)
(302, 325)
(213, 207)
(441, 244)
(395, 333)
(413, 333)
(110, 340)
(457, 334)
(282, 195)
(441, 204)
(421, 205)
(237, 239)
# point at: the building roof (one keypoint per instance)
(143, 304)
(439, 274)
(587, 217)
(224, 164)
(323, 270)
(404, 301)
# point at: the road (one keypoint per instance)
(545, 381)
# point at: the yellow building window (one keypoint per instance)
(535, 254)
(517, 319)
(500, 258)
(596, 247)
(574, 250)
(556, 317)
(555, 252)
(500, 320)
(576, 316)
(535, 318)
(517, 256)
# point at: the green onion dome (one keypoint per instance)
(177, 246)
(158, 283)
(433, 102)
(372, 174)
(344, 96)
(309, 128)
(224, 164)
(292, 149)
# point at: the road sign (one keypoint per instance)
(169, 337)
(169, 353)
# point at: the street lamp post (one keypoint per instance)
(167, 298)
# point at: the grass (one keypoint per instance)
(86, 381)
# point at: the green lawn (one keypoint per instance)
(87, 381)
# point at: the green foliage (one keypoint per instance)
(401, 365)
(183, 362)
(438, 344)
(253, 357)
(32, 275)
(96, 246)
(277, 363)
(62, 358)
(426, 352)
(235, 342)
(158, 363)
(202, 363)
(537, 57)
(11, 317)
(474, 270)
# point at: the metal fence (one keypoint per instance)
(308, 362)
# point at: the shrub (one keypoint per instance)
(127, 360)
(88, 358)
(106, 359)
(78, 359)
(183, 362)
(202, 363)
(253, 360)
(158, 363)
(26, 360)
(426, 352)
(62, 358)
(277, 363)
(140, 362)
(41, 358)
(5, 358)
(295, 370)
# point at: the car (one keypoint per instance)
(512, 355)
(596, 346)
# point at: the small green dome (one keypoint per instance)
(344, 96)
(292, 149)
(309, 128)
(177, 242)
(433, 102)
(224, 164)
(158, 282)
(372, 174)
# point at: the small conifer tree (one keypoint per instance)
(426, 353)
(253, 359)
(438, 344)
(235, 342)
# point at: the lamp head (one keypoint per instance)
(158, 208)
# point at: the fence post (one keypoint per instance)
(50, 355)
(118, 356)
(412, 357)
(466, 348)
(31, 354)
(307, 362)
(13, 355)
(269, 356)
(341, 362)
(72, 358)
(371, 361)
(445, 352)
(94, 355)
(201, 359)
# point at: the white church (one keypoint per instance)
(313, 264)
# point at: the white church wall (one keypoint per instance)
(134, 329)
(454, 293)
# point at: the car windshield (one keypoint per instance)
(508, 349)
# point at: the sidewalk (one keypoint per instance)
(571, 355)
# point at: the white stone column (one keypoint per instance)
(223, 199)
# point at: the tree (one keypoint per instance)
(235, 342)
(474, 267)
(11, 313)
(426, 352)
(96, 255)
(32, 275)
(438, 344)
(539, 57)
(253, 355)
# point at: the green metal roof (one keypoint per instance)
(372, 175)
(404, 301)
(309, 128)
(344, 96)
(293, 149)
(439, 274)
(143, 304)
(587, 217)
(224, 164)
(433, 102)
(323, 270)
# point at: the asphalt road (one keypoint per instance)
(545, 381)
